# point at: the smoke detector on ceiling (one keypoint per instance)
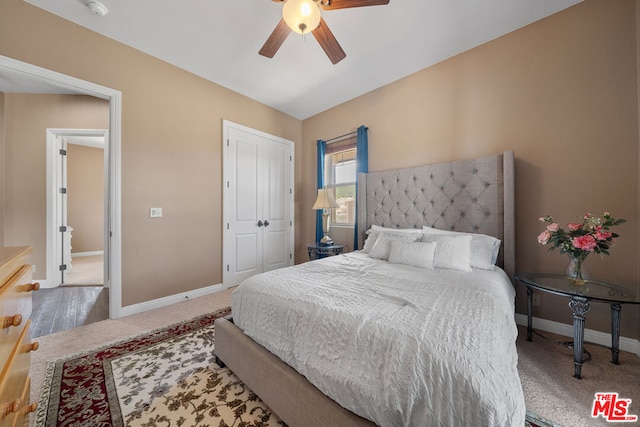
(97, 8)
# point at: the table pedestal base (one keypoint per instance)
(580, 307)
(615, 333)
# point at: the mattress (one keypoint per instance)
(395, 344)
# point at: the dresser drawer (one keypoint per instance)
(14, 377)
(15, 334)
(21, 418)
(15, 310)
(11, 260)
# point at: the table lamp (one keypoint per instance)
(325, 201)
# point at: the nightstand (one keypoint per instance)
(317, 250)
(580, 296)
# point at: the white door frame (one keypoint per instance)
(56, 179)
(113, 244)
(226, 125)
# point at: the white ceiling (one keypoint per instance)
(219, 41)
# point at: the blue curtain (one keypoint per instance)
(362, 166)
(322, 148)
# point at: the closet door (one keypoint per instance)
(258, 203)
(243, 236)
(277, 191)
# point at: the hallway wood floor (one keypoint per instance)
(67, 307)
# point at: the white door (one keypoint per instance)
(258, 203)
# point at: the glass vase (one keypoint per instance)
(574, 271)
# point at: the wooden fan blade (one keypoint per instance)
(275, 40)
(328, 42)
(344, 4)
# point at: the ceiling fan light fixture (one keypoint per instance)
(302, 16)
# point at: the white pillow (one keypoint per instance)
(416, 254)
(376, 230)
(453, 253)
(370, 241)
(394, 230)
(382, 246)
(484, 248)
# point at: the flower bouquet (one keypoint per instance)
(580, 239)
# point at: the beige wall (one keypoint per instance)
(85, 197)
(27, 116)
(171, 148)
(562, 93)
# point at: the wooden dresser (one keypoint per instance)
(15, 337)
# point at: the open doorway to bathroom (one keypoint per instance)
(85, 210)
(79, 206)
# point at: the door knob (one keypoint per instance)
(266, 223)
(259, 223)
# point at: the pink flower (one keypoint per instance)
(553, 227)
(574, 227)
(544, 237)
(603, 235)
(586, 243)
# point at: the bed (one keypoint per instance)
(374, 337)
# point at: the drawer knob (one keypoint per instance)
(11, 407)
(14, 320)
(32, 347)
(29, 408)
(33, 286)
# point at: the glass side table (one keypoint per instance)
(318, 250)
(592, 290)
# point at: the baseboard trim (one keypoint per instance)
(626, 344)
(172, 299)
(44, 283)
(90, 253)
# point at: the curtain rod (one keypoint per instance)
(341, 137)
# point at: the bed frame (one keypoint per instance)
(474, 196)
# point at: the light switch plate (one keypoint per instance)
(155, 212)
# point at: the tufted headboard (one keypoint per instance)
(476, 195)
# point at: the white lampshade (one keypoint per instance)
(302, 16)
(325, 200)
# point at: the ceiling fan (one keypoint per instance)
(303, 17)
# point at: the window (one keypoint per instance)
(340, 177)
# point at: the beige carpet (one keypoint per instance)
(85, 271)
(546, 368)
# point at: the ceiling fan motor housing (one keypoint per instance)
(303, 17)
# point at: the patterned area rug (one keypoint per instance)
(167, 377)
(164, 378)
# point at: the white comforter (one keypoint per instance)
(398, 345)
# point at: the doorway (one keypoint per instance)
(112, 241)
(76, 174)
